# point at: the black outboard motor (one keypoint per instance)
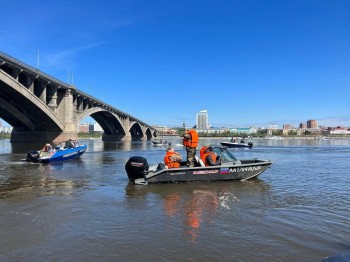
(32, 156)
(136, 167)
(250, 144)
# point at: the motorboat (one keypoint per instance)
(159, 143)
(141, 173)
(59, 153)
(235, 144)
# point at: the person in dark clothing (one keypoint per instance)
(69, 144)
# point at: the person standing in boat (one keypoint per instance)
(210, 158)
(172, 159)
(190, 141)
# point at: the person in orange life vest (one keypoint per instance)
(201, 152)
(210, 158)
(172, 159)
(190, 141)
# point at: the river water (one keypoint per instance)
(86, 210)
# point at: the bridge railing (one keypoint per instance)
(33, 70)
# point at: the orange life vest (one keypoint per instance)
(201, 152)
(168, 162)
(193, 141)
(213, 156)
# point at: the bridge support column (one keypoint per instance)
(116, 137)
(41, 137)
(67, 112)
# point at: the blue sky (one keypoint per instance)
(249, 63)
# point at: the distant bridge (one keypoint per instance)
(41, 108)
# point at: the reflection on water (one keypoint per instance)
(28, 180)
(296, 211)
(196, 204)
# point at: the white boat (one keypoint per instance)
(274, 138)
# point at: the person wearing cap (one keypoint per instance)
(210, 158)
(172, 159)
(190, 141)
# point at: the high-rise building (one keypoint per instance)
(302, 126)
(288, 126)
(202, 120)
(311, 124)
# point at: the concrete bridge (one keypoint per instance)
(41, 108)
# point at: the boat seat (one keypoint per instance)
(160, 166)
(199, 161)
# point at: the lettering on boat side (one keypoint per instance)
(70, 154)
(243, 169)
(177, 173)
(204, 172)
(137, 164)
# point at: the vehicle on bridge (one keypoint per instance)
(139, 172)
(64, 151)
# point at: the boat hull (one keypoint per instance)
(236, 145)
(57, 156)
(158, 143)
(211, 173)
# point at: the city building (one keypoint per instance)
(311, 124)
(95, 128)
(89, 128)
(83, 128)
(287, 127)
(244, 130)
(302, 126)
(202, 120)
(337, 131)
(164, 130)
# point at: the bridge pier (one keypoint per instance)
(125, 138)
(115, 137)
(41, 137)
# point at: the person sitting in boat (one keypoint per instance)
(201, 151)
(47, 148)
(233, 140)
(172, 159)
(242, 141)
(210, 158)
(69, 144)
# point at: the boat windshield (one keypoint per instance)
(224, 154)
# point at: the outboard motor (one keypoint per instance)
(32, 156)
(250, 144)
(136, 167)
